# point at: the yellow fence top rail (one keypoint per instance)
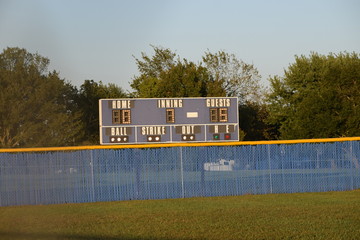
(160, 145)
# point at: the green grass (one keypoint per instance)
(331, 215)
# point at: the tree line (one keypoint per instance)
(317, 97)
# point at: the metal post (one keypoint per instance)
(92, 176)
(182, 173)
(269, 162)
(351, 161)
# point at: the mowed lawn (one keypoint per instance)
(330, 215)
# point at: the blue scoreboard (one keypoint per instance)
(168, 120)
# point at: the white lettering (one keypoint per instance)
(227, 129)
(218, 102)
(216, 129)
(153, 130)
(143, 132)
(170, 103)
(119, 131)
(121, 104)
(188, 129)
(222, 102)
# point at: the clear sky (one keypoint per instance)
(97, 39)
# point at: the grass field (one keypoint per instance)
(330, 215)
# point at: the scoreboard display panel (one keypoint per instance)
(168, 120)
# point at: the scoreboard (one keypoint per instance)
(168, 120)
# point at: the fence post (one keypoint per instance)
(351, 161)
(92, 176)
(269, 162)
(182, 173)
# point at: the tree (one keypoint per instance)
(221, 74)
(252, 120)
(242, 80)
(318, 97)
(237, 78)
(88, 101)
(164, 76)
(150, 70)
(36, 107)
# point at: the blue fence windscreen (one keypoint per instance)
(176, 172)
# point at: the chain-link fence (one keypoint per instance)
(72, 176)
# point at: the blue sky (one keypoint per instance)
(88, 39)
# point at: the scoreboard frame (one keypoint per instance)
(168, 120)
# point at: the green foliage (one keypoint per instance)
(220, 74)
(164, 76)
(242, 80)
(36, 107)
(237, 78)
(318, 97)
(88, 102)
(150, 69)
(253, 122)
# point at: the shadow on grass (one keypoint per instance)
(43, 236)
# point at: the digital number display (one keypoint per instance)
(121, 116)
(151, 120)
(170, 115)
